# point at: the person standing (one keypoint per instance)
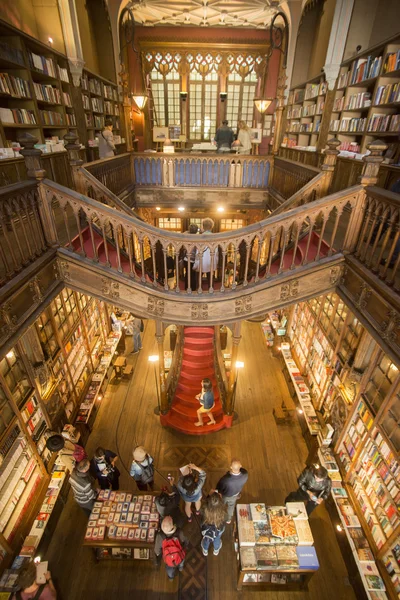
(142, 469)
(104, 469)
(231, 485)
(209, 262)
(106, 140)
(314, 487)
(190, 488)
(206, 399)
(224, 137)
(170, 544)
(167, 504)
(82, 484)
(29, 589)
(137, 327)
(213, 525)
(244, 138)
(189, 260)
(69, 453)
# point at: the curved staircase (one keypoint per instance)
(197, 363)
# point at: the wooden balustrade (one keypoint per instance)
(224, 262)
(114, 173)
(22, 238)
(87, 184)
(378, 244)
(175, 369)
(305, 157)
(348, 172)
(289, 177)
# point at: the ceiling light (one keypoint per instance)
(158, 207)
(300, 411)
(181, 208)
(220, 209)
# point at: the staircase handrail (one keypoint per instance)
(311, 191)
(175, 368)
(219, 366)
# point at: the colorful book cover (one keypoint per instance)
(307, 557)
(246, 533)
(304, 533)
(287, 556)
(248, 560)
(243, 512)
(297, 510)
(266, 557)
(258, 512)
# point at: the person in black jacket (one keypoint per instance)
(167, 504)
(224, 137)
(231, 485)
(104, 469)
(314, 487)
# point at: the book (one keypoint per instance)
(279, 578)
(374, 582)
(287, 556)
(284, 528)
(304, 533)
(358, 538)
(246, 533)
(266, 557)
(307, 557)
(248, 560)
(297, 510)
(263, 535)
(369, 568)
(258, 512)
(364, 555)
(243, 512)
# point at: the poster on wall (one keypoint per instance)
(255, 135)
(174, 133)
(160, 134)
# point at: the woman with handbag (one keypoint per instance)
(142, 469)
(104, 469)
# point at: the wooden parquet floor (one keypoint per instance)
(273, 455)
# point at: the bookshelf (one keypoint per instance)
(367, 98)
(100, 102)
(35, 89)
(306, 105)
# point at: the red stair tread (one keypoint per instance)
(181, 424)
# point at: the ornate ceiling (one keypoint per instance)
(205, 13)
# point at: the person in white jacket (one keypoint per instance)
(244, 138)
(106, 140)
(207, 225)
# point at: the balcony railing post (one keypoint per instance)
(32, 157)
(372, 163)
(329, 164)
(236, 337)
(72, 146)
(355, 223)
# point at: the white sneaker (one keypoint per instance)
(216, 552)
(205, 552)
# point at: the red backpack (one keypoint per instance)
(79, 453)
(172, 552)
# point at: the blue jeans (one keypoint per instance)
(171, 571)
(206, 542)
(137, 342)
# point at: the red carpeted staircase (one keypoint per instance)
(197, 363)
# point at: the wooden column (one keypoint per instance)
(164, 407)
(72, 146)
(126, 105)
(372, 163)
(236, 337)
(279, 121)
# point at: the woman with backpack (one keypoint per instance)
(213, 526)
(30, 590)
(171, 544)
(142, 469)
(190, 489)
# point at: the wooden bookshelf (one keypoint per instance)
(100, 102)
(367, 98)
(306, 107)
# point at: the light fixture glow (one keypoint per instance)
(100, 397)
(220, 209)
(300, 411)
(50, 40)
(158, 207)
(181, 208)
(153, 358)
(10, 354)
(239, 364)
(279, 347)
(262, 104)
(393, 367)
(339, 527)
(140, 101)
(37, 560)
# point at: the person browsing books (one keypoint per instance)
(29, 589)
(314, 487)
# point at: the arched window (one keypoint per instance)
(165, 87)
(241, 88)
(203, 91)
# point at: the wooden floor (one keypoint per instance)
(273, 455)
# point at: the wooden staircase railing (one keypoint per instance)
(176, 364)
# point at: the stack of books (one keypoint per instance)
(392, 62)
(41, 63)
(365, 68)
(14, 86)
(17, 115)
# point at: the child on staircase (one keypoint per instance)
(206, 399)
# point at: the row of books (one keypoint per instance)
(85, 102)
(98, 122)
(391, 560)
(17, 115)
(315, 89)
(381, 122)
(97, 105)
(110, 92)
(50, 117)
(298, 96)
(63, 74)
(67, 99)
(12, 54)
(386, 94)
(348, 124)
(110, 108)
(392, 62)
(41, 63)
(71, 120)
(47, 93)
(14, 86)
(297, 127)
(361, 551)
(365, 68)
(95, 86)
(360, 100)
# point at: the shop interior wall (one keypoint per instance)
(39, 19)
(101, 38)
(372, 22)
(305, 41)
(321, 39)
(202, 36)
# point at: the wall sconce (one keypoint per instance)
(262, 104)
(223, 96)
(50, 42)
(183, 96)
(140, 101)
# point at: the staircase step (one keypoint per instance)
(207, 341)
(202, 362)
(190, 412)
(199, 331)
(181, 424)
(189, 400)
(197, 352)
(198, 374)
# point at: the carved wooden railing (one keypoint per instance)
(191, 170)
(378, 243)
(314, 159)
(175, 368)
(22, 234)
(255, 254)
(87, 184)
(289, 177)
(114, 173)
(348, 171)
(313, 190)
(219, 366)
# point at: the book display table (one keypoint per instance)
(274, 547)
(122, 526)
